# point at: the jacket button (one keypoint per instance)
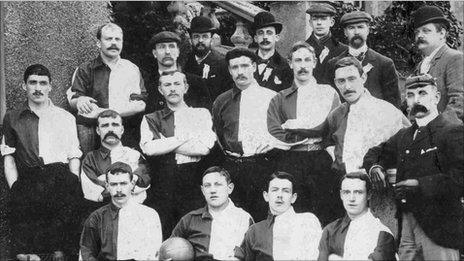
(407, 151)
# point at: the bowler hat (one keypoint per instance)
(355, 17)
(428, 14)
(323, 8)
(164, 37)
(421, 80)
(201, 24)
(265, 19)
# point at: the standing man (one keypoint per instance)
(239, 119)
(175, 139)
(204, 61)
(362, 121)
(272, 69)
(93, 176)
(296, 114)
(215, 230)
(440, 61)
(430, 163)
(382, 77)
(325, 45)
(122, 229)
(358, 235)
(107, 82)
(165, 49)
(41, 160)
(284, 235)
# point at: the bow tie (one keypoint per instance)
(261, 60)
(360, 57)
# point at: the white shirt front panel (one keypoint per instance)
(124, 80)
(314, 103)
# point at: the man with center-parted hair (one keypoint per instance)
(110, 129)
(216, 229)
(284, 235)
(359, 235)
(107, 82)
(41, 161)
(175, 139)
(123, 229)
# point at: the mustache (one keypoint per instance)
(416, 108)
(37, 92)
(200, 44)
(119, 195)
(111, 134)
(113, 47)
(420, 41)
(241, 77)
(265, 42)
(172, 94)
(355, 38)
(348, 92)
(302, 70)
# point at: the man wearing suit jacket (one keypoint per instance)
(382, 77)
(440, 61)
(430, 163)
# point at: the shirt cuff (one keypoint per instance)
(6, 150)
(374, 166)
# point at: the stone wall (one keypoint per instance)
(59, 35)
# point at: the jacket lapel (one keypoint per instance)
(440, 52)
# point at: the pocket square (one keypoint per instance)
(428, 150)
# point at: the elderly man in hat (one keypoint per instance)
(440, 61)
(107, 82)
(204, 61)
(382, 77)
(272, 70)
(165, 49)
(430, 163)
(325, 45)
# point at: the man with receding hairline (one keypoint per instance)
(107, 82)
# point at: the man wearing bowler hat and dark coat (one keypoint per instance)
(440, 61)
(321, 39)
(273, 71)
(382, 77)
(205, 61)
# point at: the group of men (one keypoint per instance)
(258, 137)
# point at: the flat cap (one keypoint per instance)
(421, 80)
(428, 14)
(119, 167)
(323, 8)
(355, 17)
(164, 37)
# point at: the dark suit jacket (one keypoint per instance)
(197, 94)
(436, 159)
(335, 49)
(447, 68)
(218, 79)
(382, 78)
(280, 77)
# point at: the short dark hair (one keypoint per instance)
(238, 52)
(298, 45)
(281, 175)
(37, 69)
(119, 168)
(223, 172)
(110, 25)
(108, 114)
(166, 73)
(348, 61)
(358, 175)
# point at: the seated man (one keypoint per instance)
(110, 129)
(175, 139)
(284, 235)
(122, 229)
(359, 235)
(215, 230)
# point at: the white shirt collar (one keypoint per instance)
(429, 57)
(222, 213)
(200, 59)
(286, 215)
(356, 52)
(427, 119)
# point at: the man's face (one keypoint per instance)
(266, 38)
(173, 88)
(428, 38)
(120, 187)
(201, 43)
(302, 64)
(280, 196)
(37, 87)
(241, 69)
(421, 101)
(110, 130)
(350, 83)
(357, 34)
(354, 196)
(216, 190)
(110, 42)
(321, 24)
(166, 53)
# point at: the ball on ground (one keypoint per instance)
(176, 248)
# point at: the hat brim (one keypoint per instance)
(321, 13)
(276, 25)
(356, 20)
(433, 20)
(203, 30)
